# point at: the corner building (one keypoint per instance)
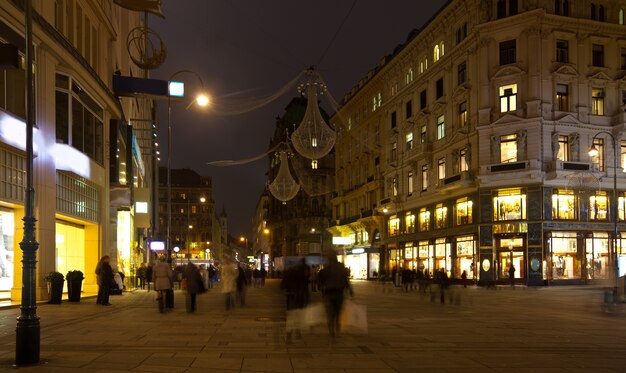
(476, 134)
(90, 160)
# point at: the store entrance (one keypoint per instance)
(511, 251)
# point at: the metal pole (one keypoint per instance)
(169, 176)
(27, 333)
(616, 205)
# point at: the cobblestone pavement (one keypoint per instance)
(555, 329)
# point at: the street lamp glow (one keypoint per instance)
(202, 199)
(593, 151)
(266, 231)
(312, 230)
(385, 210)
(242, 238)
(202, 100)
(190, 226)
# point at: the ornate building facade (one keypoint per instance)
(470, 145)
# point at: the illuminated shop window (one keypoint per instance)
(394, 225)
(443, 259)
(564, 204)
(423, 256)
(441, 216)
(597, 256)
(509, 205)
(424, 219)
(564, 262)
(508, 148)
(599, 206)
(410, 222)
(463, 208)
(465, 251)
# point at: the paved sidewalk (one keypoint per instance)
(557, 329)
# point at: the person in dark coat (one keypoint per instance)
(149, 275)
(512, 276)
(242, 282)
(334, 281)
(195, 285)
(106, 280)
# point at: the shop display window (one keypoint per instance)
(564, 259)
(442, 256)
(441, 216)
(424, 220)
(564, 204)
(599, 206)
(410, 222)
(597, 256)
(509, 205)
(463, 210)
(423, 255)
(465, 251)
(394, 225)
(7, 230)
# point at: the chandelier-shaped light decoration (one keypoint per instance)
(284, 187)
(313, 138)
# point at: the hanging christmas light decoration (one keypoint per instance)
(313, 138)
(284, 187)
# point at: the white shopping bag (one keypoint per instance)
(315, 314)
(353, 318)
(295, 319)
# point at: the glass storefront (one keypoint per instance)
(410, 256)
(465, 251)
(442, 257)
(7, 229)
(357, 265)
(70, 248)
(422, 252)
(511, 252)
(597, 256)
(563, 259)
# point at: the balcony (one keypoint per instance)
(557, 168)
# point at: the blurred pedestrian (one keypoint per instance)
(141, 275)
(263, 274)
(256, 280)
(195, 285)
(512, 275)
(295, 283)
(228, 280)
(464, 278)
(105, 273)
(149, 275)
(162, 279)
(334, 281)
(212, 275)
(444, 282)
(242, 284)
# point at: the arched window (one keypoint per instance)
(557, 7)
(436, 53)
(601, 13)
(593, 11)
(565, 7)
(621, 16)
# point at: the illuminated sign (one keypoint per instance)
(358, 251)
(342, 241)
(157, 245)
(177, 89)
(141, 207)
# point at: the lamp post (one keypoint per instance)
(202, 100)
(27, 332)
(593, 152)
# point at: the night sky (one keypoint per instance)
(250, 49)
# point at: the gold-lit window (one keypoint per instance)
(508, 98)
(599, 206)
(441, 216)
(621, 208)
(424, 220)
(508, 148)
(463, 209)
(564, 204)
(563, 154)
(394, 225)
(509, 205)
(410, 222)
